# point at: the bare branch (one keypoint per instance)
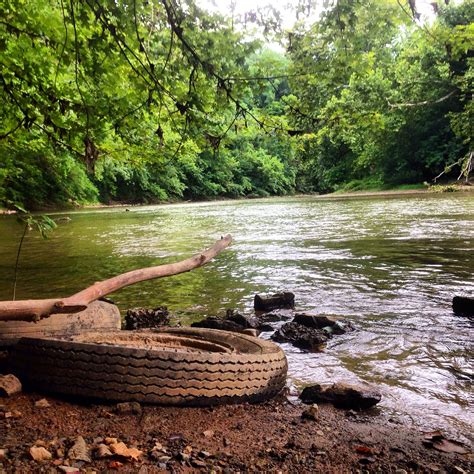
(425, 102)
(34, 310)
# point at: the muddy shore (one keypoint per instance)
(268, 437)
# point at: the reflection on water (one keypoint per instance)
(391, 266)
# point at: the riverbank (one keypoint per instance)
(433, 190)
(269, 437)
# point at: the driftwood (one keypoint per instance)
(34, 310)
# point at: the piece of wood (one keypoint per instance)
(34, 310)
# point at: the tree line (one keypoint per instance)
(153, 100)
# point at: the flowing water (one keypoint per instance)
(390, 265)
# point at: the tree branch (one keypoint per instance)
(34, 310)
(425, 102)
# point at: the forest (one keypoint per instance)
(144, 101)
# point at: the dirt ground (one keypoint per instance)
(269, 437)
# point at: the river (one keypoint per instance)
(391, 265)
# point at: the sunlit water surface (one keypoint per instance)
(390, 265)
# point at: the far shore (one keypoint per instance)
(333, 195)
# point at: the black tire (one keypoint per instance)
(173, 366)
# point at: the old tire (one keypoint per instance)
(173, 366)
(98, 316)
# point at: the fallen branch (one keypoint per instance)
(34, 310)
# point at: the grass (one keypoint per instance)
(374, 184)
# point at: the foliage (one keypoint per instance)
(145, 101)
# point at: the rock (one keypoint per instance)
(3, 454)
(128, 408)
(121, 449)
(140, 318)
(342, 395)
(70, 469)
(330, 324)
(43, 403)
(184, 457)
(250, 332)
(38, 453)
(109, 441)
(208, 433)
(284, 299)
(247, 322)
(463, 306)
(9, 385)
(301, 336)
(79, 450)
(311, 413)
(213, 322)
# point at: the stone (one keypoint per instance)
(463, 306)
(43, 403)
(38, 453)
(250, 332)
(121, 449)
(69, 469)
(9, 385)
(128, 408)
(208, 433)
(284, 299)
(141, 318)
(330, 324)
(213, 322)
(79, 450)
(3, 454)
(247, 322)
(342, 395)
(311, 413)
(301, 336)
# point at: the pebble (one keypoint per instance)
(43, 403)
(38, 453)
(69, 469)
(311, 413)
(128, 408)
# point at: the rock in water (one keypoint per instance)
(247, 322)
(301, 336)
(284, 299)
(9, 385)
(342, 395)
(141, 318)
(330, 324)
(213, 322)
(463, 306)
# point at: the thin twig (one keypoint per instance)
(15, 277)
